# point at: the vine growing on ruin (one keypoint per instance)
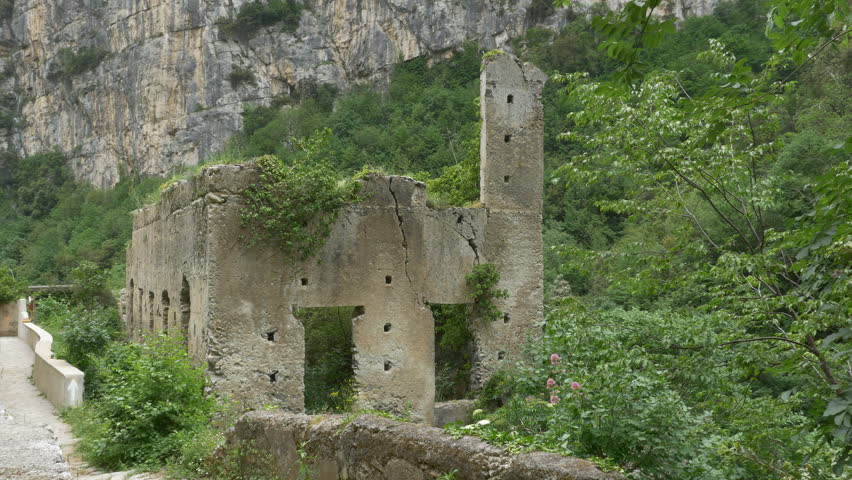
(295, 203)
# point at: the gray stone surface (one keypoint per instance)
(190, 269)
(370, 448)
(452, 411)
(163, 97)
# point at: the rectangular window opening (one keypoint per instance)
(454, 350)
(329, 368)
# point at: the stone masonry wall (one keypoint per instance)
(376, 448)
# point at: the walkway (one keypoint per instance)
(32, 437)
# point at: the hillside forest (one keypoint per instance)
(696, 229)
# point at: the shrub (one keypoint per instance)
(70, 63)
(253, 16)
(240, 76)
(10, 288)
(90, 284)
(296, 204)
(150, 397)
(482, 282)
(86, 335)
(7, 8)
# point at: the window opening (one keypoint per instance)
(164, 301)
(329, 370)
(454, 349)
(185, 310)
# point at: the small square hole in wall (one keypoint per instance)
(510, 99)
(501, 355)
(506, 318)
(388, 279)
(304, 281)
(506, 179)
(388, 365)
(270, 335)
(507, 138)
(387, 327)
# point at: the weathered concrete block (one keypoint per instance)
(453, 411)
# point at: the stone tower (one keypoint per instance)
(511, 184)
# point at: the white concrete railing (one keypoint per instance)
(58, 380)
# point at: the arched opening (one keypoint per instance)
(151, 315)
(128, 325)
(185, 309)
(164, 302)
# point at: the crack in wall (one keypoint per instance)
(401, 229)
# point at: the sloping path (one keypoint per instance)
(32, 437)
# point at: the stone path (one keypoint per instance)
(32, 437)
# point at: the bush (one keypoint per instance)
(90, 284)
(86, 335)
(635, 389)
(150, 397)
(296, 204)
(69, 63)
(10, 288)
(255, 15)
(7, 8)
(240, 76)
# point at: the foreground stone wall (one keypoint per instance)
(59, 381)
(191, 270)
(376, 448)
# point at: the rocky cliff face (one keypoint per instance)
(161, 95)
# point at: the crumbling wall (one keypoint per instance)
(390, 255)
(376, 448)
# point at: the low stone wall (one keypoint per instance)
(58, 380)
(376, 448)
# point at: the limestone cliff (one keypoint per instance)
(160, 95)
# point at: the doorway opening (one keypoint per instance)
(454, 349)
(329, 369)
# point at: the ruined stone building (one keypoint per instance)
(390, 256)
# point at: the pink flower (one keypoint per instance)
(554, 399)
(563, 370)
(575, 386)
(551, 383)
(555, 358)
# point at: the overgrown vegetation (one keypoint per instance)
(255, 15)
(482, 283)
(296, 203)
(10, 287)
(69, 63)
(52, 223)
(241, 76)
